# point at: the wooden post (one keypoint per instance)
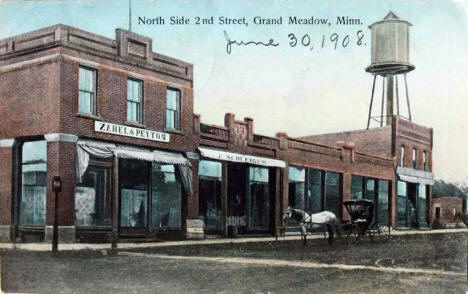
(115, 202)
(224, 195)
(278, 206)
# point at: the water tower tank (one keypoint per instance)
(390, 46)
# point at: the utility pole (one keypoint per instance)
(130, 15)
(56, 187)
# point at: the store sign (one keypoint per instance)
(121, 130)
(236, 157)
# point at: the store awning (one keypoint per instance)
(412, 175)
(416, 180)
(85, 148)
(241, 158)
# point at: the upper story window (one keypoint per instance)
(135, 101)
(173, 109)
(415, 158)
(403, 155)
(426, 160)
(87, 91)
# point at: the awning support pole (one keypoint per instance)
(115, 206)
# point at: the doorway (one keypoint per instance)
(237, 196)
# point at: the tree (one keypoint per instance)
(442, 188)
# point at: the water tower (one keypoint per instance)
(390, 60)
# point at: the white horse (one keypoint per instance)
(324, 219)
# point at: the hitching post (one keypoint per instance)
(56, 187)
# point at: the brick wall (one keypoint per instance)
(447, 205)
(411, 136)
(6, 192)
(29, 101)
(375, 141)
(61, 161)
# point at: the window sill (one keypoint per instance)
(135, 124)
(89, 116)
(172, 131)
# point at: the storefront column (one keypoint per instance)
(224, 197)
(278, 206)
(393, 204)
(6, 188)
(61, 161)
(285, 190)
(346, 192)
(429, 204)
(192, 200)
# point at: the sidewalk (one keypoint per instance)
(128, 245)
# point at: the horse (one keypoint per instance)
(326, 219)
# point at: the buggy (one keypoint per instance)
(363, 222)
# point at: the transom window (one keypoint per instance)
(135, 101)
(87, 91)
(173, 109)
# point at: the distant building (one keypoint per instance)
(446, 210)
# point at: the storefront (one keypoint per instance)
(376, 190)
(139, 192)
(237, 190)
(323, 190)
(413, 190)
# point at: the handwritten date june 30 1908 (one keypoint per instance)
(333, 41)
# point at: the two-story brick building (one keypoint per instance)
(110, 117)
(115, 121)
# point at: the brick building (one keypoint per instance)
(446, 210)
(115, 121)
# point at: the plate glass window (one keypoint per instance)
(166, 193)
(356, 187)
(314, 193)
(402, 203)
(332, 192)
(135, 101)
(134, 178)
(382, 203)
(33, 183)
(93, 203)
(210, 179)
(296, 187)
(173, 109)
(259, 200)
(87, 91)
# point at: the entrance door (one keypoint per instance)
(133, 182)
(93, 200)
(259, 199)
(237, 195)
(412, 205)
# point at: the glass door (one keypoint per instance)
(133, 180)
(259, 199)
(93, 200)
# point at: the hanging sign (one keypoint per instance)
(127, 131)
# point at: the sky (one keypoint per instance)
(293, 89)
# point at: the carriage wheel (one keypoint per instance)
(379, 232)
(353, 234)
